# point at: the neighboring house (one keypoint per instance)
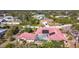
(78, 18)
(28, 26)
(67, 27)
(10, 20)
(75, 34)
(29, 37)
(2, 20)
(48, 33)
(46, 22)
(39, 16)
(2, 32)
(61, 16)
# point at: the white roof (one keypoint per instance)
(6, 17)
(1, 20)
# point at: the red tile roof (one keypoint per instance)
(57, 36)
(26, 36)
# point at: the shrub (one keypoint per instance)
(9, 45)
(53, 44)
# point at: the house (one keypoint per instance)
(28, 37)
(28, 26)
(75, 34)
(67, 27)
(43, 33)
(10, 20)
(1, 20)
(61, 16)
(78, 18)
(2, 32)
(48, 33)
(46, 22)
(39, 16)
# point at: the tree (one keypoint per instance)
(53, 44)
(65, 21)
(34, 21)
(29, 30)
(31, 45)
(10, 32)
(76, 26)
(9, 45)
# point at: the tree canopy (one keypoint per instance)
(53, 44)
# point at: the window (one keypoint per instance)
(45, 31)
(52, 33)
(9, 18)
